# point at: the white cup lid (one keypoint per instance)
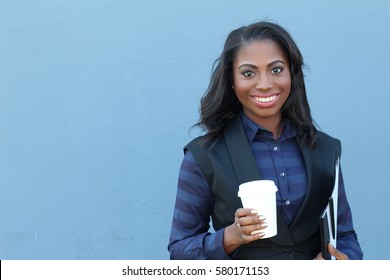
(257, 188)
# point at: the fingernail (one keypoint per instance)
(264, 225)
(254, 212)
(261, 217)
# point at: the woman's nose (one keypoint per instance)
(264, 83)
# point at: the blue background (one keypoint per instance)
(97, 99)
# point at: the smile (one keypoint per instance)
(265, 99)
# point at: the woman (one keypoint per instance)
(259, 126)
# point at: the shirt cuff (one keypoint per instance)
(216, 249)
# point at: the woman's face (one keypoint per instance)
(262, 81)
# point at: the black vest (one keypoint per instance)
(231, 162)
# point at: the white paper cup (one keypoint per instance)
(261, 196)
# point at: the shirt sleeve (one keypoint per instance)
(190, 237)
(347, 241)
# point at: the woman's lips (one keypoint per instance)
(265, 101)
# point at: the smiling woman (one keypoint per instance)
(258, 126)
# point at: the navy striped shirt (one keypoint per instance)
(279, 160)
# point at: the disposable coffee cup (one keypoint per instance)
(261, 196)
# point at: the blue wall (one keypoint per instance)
(97, 97)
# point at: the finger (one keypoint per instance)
(243, 212)
(336, 253)
(247, 238)
(251, 220)
(319, 257)
(253, 230)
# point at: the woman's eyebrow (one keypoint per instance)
(247, 65)
(276, 62)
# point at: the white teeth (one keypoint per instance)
(265, 99)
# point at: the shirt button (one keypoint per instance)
(286, 249)
(275, 149)
(287, 202)
(282, 174)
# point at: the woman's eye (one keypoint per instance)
(277, 70)
(248, 74)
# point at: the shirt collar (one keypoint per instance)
(252, 129)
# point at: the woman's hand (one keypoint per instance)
(334, 252)
(246, 221)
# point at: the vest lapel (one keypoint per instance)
(319, 182)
